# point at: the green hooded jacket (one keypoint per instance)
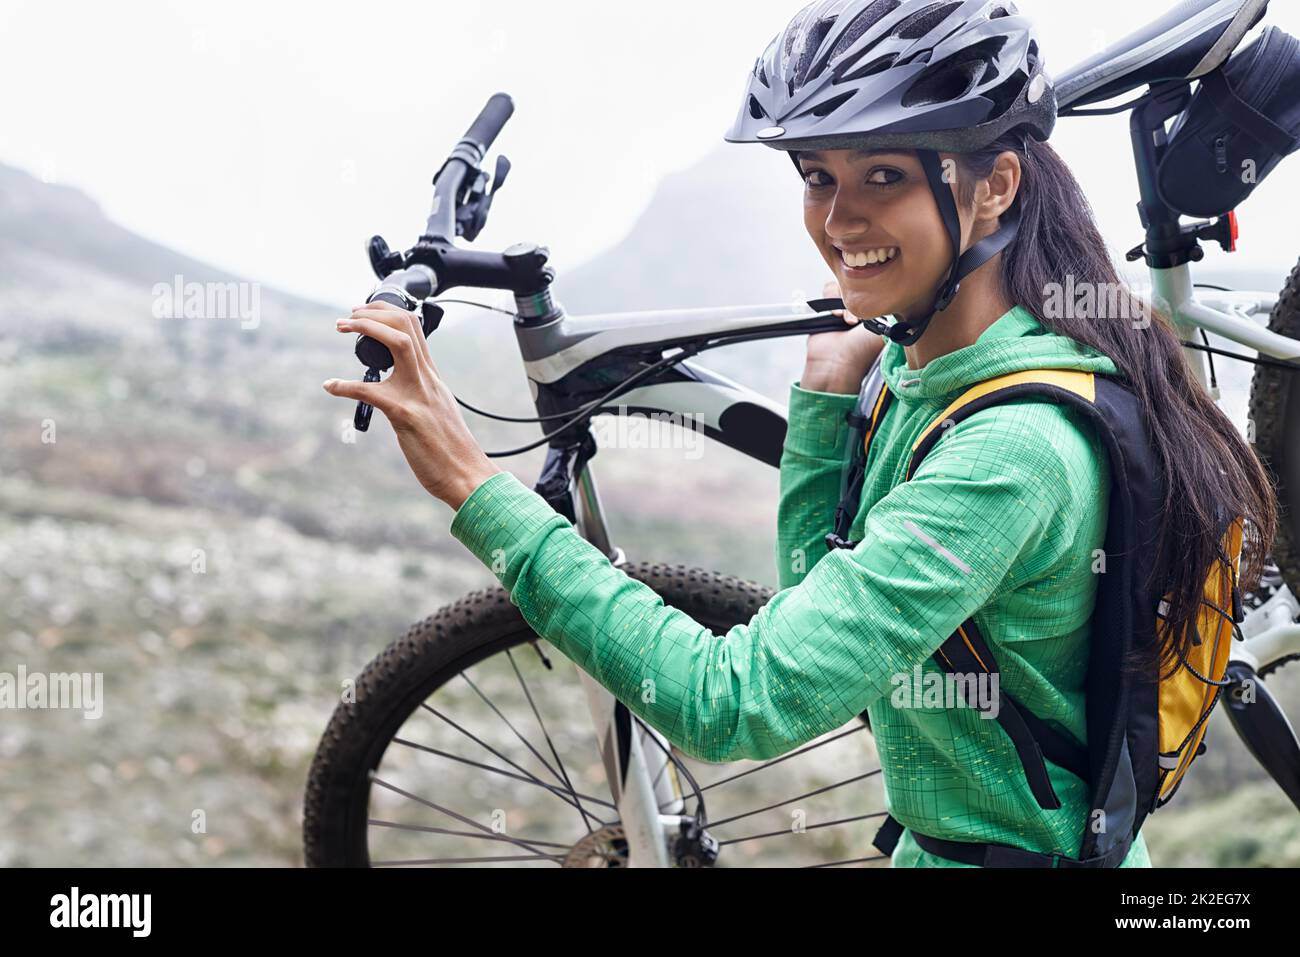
(1000, 522)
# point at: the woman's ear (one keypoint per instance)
(994, 195)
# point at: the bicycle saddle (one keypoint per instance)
(1189, 41)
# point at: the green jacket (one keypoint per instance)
(1000, 522)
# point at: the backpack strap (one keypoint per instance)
(966, 651)
(991, 855)
(874, 400)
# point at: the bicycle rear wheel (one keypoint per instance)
(1275, 417)
(469, 742)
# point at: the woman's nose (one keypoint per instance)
(846, 220)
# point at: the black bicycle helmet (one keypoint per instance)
(915, 74)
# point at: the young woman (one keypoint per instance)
(958, 226)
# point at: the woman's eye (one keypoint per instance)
(808, 178)
(884, 177)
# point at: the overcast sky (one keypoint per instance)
(273, 138)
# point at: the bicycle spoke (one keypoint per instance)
(798, 797)
(450, 813)
(526, 743)
(856, 860)
(567, 796)
(446, 830)
(479, 741)
(679, 799)
(810, 827)
(425, 862)
(785, 757)
(549, 743)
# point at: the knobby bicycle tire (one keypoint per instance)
(1275, 414)
(430, 654)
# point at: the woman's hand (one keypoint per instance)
(430, 429)
(839, 361)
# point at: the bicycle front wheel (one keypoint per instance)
(469, 742)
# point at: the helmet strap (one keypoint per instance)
(907, 333)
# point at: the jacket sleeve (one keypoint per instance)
(812, 463)
(934, 550)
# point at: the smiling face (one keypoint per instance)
(878, 227)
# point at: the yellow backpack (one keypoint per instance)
(1142, 735)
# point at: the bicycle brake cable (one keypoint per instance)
(583, 411)
(1258, 360)
(571, 419)
(623, 387)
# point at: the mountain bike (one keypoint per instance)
(466, 742)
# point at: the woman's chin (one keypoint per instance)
(868, 307)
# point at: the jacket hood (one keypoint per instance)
(1015, 342)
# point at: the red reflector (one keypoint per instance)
(1232, 225)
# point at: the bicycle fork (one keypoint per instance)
(641, 778)
(637, 758)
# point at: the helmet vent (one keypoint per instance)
(1006, 94)
(950, 82)
(924, 20)
(879, 65)
(812, 42)
(756, 109)
(999, 13)
(954, 77)
(864, 21)
(833, 104)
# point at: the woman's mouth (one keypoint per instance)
(869, 261)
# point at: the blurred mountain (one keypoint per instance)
(727, 231)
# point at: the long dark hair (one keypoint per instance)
(1209, 469)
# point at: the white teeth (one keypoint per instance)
(870, 258)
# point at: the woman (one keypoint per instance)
(958, 228)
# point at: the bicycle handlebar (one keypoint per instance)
(435, 264)
(487, 126)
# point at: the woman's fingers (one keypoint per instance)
(832, 291)
(398, 340)
(367, 392)
(400, 320)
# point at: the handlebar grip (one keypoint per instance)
(372, 353)
(487, 126)
(392, 298)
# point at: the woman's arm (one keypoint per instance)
(812, 464)
(816, 442)
(935, 550)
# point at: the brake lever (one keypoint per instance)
(472, 214)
